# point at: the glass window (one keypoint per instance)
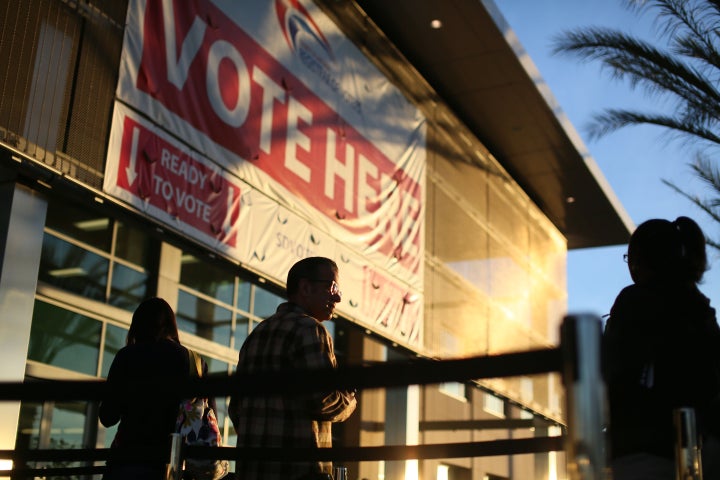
(64, 339)
(80, 223)
(134, 245)
(266, 302)
(80, 256)
(508, 215)
(241, 331)
(526, 389)
(243, 295)
(114, 340)
(28, 435)
(72, 268)
(215, 365)
(330, 327)
(231, 439)
(53, 425)
(221, 413)
(203, 318)
(128, 288)
(68, 425)
(208, 279)
(106, 435)
(456, 390)
(210, 296)
(494, 405)
(442, 472)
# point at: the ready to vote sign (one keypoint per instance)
(183, 189)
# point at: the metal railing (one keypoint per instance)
(688, 462)
(577, 359)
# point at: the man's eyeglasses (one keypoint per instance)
(334, 287)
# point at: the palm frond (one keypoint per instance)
(703, 206)
(645, 66)
(708, 173)
(691, 28)
(697, 201)
(612, 120)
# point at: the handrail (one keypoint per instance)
(585, 398)
(577, 359)
(298, 381)
(688, 461)
(349, 454)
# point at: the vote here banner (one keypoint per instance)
(274, 92)
(275, 95)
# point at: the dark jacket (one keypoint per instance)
(136, 399)
(661, 351)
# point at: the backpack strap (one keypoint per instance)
(195, 364)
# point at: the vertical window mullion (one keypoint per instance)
(111, 258)
(101, 354)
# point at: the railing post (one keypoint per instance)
(173, 468)
(688, 461)
(585, 447)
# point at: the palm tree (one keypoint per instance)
(684, 72)
(710, 175)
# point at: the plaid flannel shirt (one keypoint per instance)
(289, 339)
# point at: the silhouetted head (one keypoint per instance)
(668, 252)
(153, 320)
(312, 283)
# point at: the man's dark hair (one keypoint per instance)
(307, 268)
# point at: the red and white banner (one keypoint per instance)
(276, 97)
(167, 180)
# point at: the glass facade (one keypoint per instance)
(64, 339)
(495, 271)
(103, 261)
(218, 305)
(89, 254)
(54, 425)
(114, 341)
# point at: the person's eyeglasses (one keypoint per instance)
(625, 257)
(334, 287)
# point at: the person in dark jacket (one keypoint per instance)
(661, 350)
(152, 357)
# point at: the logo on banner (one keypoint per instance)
(308, 42)
(301, 32)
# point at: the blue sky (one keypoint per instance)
(633, 160)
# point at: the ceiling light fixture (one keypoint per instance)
(93, 225)
(67, 272)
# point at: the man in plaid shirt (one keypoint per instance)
(293, 338)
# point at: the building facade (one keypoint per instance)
(195, 150)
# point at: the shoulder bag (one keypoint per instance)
(197, 424)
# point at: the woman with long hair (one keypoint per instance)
(145, 411)
(661, 351)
